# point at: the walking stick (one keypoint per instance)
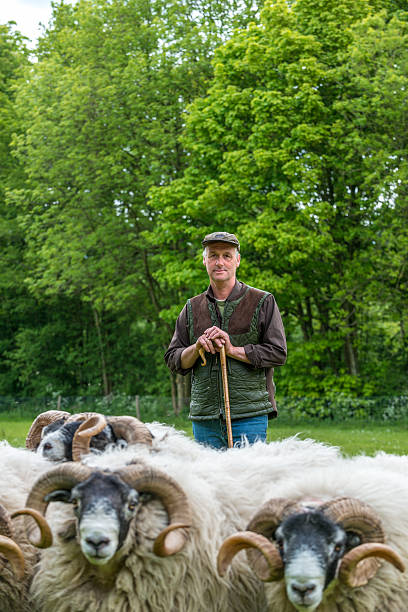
(223, 359)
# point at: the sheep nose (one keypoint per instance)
(302, 589)
(97, 542)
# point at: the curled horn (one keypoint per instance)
(265, 522)
(45, 539)
(13, 554)
(263, 555)
(82, 416)
(8, 547)
(92, 424)
(33, 438)
(63, 476)
(360, 564)
(130, 429)
(271, 566)
(150, 480)
(350, 572)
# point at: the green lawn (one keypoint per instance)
(352, 438)
(14, 430)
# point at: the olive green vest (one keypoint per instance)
(247, 385)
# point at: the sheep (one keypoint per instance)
(60, 436)
(315, 543)
(16, 567)
(18, 558)
(135, 541)
(232, 473)
(56, 441)
(381, 460)
(168, 440)
(223, 489)
(20, 468)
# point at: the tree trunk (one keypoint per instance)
(350, 354)
(180, 393)
(173, 393)
(105, 380)
(349, 350)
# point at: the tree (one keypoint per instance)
(101, 112)
(15, 304)
(378, 105)
(292, 149)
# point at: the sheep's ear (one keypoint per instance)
(61, 495)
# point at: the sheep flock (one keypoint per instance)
(109, 514)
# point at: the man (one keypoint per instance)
(247, 322)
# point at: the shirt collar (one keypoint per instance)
(236, 290)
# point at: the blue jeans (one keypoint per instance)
(213, 432)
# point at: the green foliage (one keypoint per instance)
(293, 149)
(17, 307)
(340, 407)
(143, 125)
(60, 354)
(105, 133)
(99, 115)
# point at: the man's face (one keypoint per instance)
(221, 261)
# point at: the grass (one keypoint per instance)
(14, 430)
(351, 437)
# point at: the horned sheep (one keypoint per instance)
(18, 556)
(317, 542)
(221, 490)
(134, 541)
(60, 436)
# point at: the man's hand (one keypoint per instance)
(211, 341)
(205, 343)
(218, 338)
(200, 347)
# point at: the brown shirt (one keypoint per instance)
(270, 352)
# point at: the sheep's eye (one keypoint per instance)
(337, 548)
(75, 503)
(132, 505)
(280, 545)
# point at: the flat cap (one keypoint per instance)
(221, 237)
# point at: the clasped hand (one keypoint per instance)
(213, 339)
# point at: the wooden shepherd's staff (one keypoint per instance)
(223, 359)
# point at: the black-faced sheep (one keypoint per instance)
(133, 540)
(317, 546)
(60, 436)
(223, 489)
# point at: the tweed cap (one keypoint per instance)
(221, 237)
